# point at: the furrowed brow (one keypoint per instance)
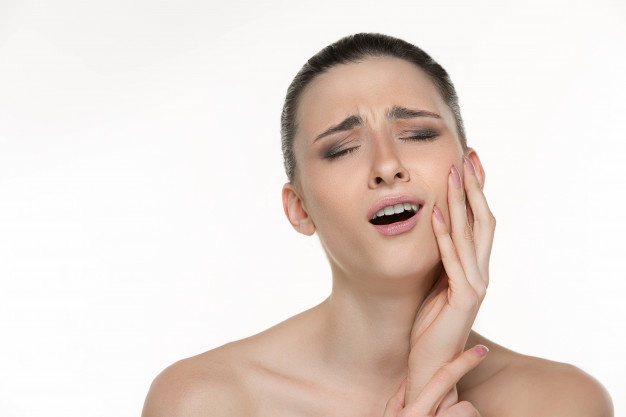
(347, 124)
(398, 112)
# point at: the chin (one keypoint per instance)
(412, 257)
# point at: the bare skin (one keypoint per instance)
(279, 373)
(394, 338)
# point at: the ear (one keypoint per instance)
(296, 212)
(473, 156)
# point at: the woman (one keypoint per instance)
(379, 168)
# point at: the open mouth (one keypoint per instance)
(394, 214)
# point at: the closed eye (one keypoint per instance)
(421, 135)
(335, 154)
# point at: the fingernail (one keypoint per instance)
(481, 350)
(469, 165)
(456, 178)
(438, 214)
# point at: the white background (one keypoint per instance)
(140, 178)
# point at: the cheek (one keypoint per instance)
(325, 202)
(331, 192)
(438, 179)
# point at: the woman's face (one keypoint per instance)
(371, 135)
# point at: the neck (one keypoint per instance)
(368, 324)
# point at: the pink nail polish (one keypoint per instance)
(456, 177)
(481, 350)
(438, 214)
(469, 165)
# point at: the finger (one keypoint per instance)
(451, 398)
(461, 229)
(463, 295)
(447, 249)
(460, 409)
(445, 379)
(484, 221)
(455, 318)
(396, 403)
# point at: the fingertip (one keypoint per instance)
(480, 350)
(471, 168)
(438, 214)
(456, 177)
(469, 165)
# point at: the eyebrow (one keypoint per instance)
(395, 113)
(348, 123)
(398, 112)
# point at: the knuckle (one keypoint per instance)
(445, 257)
(444, 376)
(468, 232)
(491, 220)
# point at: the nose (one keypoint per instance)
(387, 167)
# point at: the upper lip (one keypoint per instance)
(392, 201)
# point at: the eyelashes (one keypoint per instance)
(342, 149)
(332, 153)
(421, 135)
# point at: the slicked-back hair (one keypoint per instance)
(353, 49)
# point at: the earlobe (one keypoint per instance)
(296, 212)
(480, 171)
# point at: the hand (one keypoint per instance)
(442, 325)
(428, 402)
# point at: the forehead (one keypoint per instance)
(367, 88)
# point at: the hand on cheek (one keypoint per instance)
(464, 233)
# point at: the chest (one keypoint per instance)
(314, 399)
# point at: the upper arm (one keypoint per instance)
(183, 390)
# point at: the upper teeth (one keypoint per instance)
(395, 209)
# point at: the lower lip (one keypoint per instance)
(399, 227)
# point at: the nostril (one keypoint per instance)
(378, 180)
(401, 175)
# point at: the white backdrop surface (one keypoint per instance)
(140, 178)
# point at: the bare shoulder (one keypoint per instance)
(516, 385)
(237, 379)
(209, 384)
(556, 389)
